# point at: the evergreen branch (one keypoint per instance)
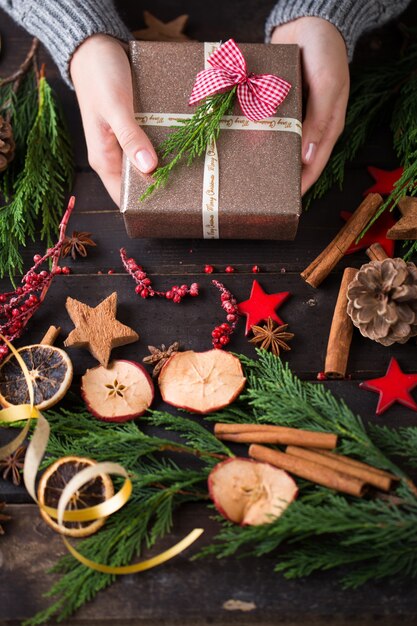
(38, 182)
(379, 95)
(320, 531)
(196, 436)
(398, 442)
(192, 137)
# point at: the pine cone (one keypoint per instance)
(382, 301)
(7, 144)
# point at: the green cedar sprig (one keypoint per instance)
(384, 94)
(192, 137)
(35, 183)
(322, 530)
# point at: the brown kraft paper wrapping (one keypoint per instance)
(259, 171)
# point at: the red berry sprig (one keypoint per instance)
(17, 307)
(144, 284)
(221, 334)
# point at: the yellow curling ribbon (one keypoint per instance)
(34, 456)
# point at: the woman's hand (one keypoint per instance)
(326, 82)
(102, 80)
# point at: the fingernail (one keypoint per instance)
(310, 152)
(145, 161)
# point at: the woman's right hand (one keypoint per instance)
(101, 74)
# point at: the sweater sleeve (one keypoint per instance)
(351, 17)
(62, 25)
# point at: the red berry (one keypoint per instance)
(3, 298)
(177, 298)
(109, 272)
(37, 258)
(140, 275)
(146, 281)
(144, 293)
(138, 288)
(44, 274)
(225, 297)
(224, 340)
(229, 269)
(225, 327)
(321, 376)
(231, 317)
(208, 269)
(194, 289)
(15, 312)
(58, 270)
(169, 295)
(256, 269)
(3, 351)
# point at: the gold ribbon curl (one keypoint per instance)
(34, 455)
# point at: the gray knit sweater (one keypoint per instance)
(62, 25)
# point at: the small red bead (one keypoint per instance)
(224, 340)
(169, 295)
(321, 376)
(37, 258)
(229, 269)
(256, 269)
(231, 317)
(144, 293)
(110, 272)
(15, 312)
(138, 288)
(208, 269)
(58, 270)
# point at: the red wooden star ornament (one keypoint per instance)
(384, 180)
(376, 234)
(395, 386)
(261, 305)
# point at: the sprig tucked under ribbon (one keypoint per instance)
(33, 458)
(215, 88)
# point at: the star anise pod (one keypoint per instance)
(76, 244)
(271, 336)
(159, 356)
(12, 464)
(3, 517)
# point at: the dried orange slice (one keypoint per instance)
(52, 484)
(201, 382)
(50, 370)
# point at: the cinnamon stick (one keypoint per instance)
(380, 480)
(50, 336)
(321, 267)
(263, 433)
(341, 331)
(376, 252)
(309, 470)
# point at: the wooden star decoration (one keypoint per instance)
(97, 329)
(376, 234)
(384, 180)
(159, 31)
(406, 227)
(261, 305)
(395, 386)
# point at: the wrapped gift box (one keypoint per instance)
(259, 170)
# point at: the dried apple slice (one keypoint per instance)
(201, 382)
(118, 393)
(250, 493)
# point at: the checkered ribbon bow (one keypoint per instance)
(259, 95)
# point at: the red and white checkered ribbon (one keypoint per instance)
(259, 95)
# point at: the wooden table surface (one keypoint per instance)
(197, 592)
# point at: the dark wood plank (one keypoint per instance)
(185, 592)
